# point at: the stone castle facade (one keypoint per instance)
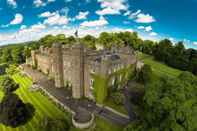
(73, 65)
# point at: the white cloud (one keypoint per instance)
(34, 32)
(17, 19)
(47, 14)
(23, 27)
(96, 23)
(145, 18)
(107, 11)
(82, 15)
(39, 3)
(37, 27)
(111, 7)
(56, 19)
(12, 3)
(141, 27)
(145, 28)
(195, 43)
(148, 28)
(153, 34)
(51, 1)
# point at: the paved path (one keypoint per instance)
(64, 96)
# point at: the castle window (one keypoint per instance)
(113, 81)
(120, 77)
(109, 72)
(114, 69)
(91, 82)
(93, 71)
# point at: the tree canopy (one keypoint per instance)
(169, 104)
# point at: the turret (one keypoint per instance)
(58, 65)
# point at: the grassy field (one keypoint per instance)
(159, 68)
(44, 107)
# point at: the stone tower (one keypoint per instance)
(58, 65)
(33, 55)
(78, 69)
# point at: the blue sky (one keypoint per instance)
(25, 20)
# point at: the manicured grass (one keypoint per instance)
(44, 107)
(119, 108)
(159, 68)
(102, 125)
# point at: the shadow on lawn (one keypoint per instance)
(13, 112)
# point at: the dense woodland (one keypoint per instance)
(174, 55)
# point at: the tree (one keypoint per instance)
(169, 104)
(118, 98)
(11, 70)
(27, 52)
(89, 41)
(144, 74)
(162, 50)
(48, 40)
(13, 112)
(17, 55)
(8, 85)
(106, 39)
(147, 47)
(3, 67)
(6, 55)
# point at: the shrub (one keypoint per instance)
(118, 98)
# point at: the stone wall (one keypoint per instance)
(74, 64)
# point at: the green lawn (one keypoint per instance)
(159, 68)
(119, 108)
(44, 107)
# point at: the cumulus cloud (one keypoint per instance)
(23, 27)
(153, 34)
(111, 7)
(47, 14)
(145, 28)
(145, 18)
(37, 31)
(82, 15)
(96, 23)
(107, 11)
(39, 3)
(148, 28)
(17, 19)
(195, 43)
(56, 19)
(12, 3)
(141, 27)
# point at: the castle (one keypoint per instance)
(74, 65)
